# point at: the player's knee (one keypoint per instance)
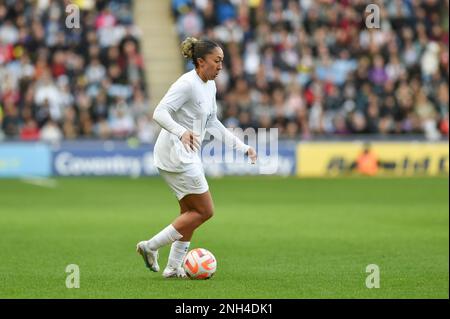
(210, 213)
(206, 214)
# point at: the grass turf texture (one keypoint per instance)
(272, 237)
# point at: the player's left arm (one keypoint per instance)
(219, 131)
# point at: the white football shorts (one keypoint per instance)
(192, 181)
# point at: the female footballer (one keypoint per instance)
(185, 114)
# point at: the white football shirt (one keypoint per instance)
(189, 104)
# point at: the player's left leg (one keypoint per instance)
(178, 251)
(195, 210)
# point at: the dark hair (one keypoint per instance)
(193, 49)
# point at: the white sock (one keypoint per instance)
(178, 251)
(164, 237)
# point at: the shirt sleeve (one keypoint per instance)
(178, 94)
(219, 131)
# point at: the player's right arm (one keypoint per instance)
(178, 94)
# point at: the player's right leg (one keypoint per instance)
(150, 256)
(149, 249)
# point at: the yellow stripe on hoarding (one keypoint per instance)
(399, 159)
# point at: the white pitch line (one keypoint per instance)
(42, 182)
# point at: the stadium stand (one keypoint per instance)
(309, 68)
(313, 68)
(59, 82)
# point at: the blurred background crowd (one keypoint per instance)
(309, 68)
(82, 82)
(313, 68)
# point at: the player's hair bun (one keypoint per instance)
(187, 47)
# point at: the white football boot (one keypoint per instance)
(170, 272)
(150, 256)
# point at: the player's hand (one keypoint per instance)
(190, 141)
(251, 153)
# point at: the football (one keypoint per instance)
(200, 263)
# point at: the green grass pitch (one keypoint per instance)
(273, 238)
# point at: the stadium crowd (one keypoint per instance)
(309, 68)
(314, 68)
(62, 80)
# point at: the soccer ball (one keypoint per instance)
(199, 263)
